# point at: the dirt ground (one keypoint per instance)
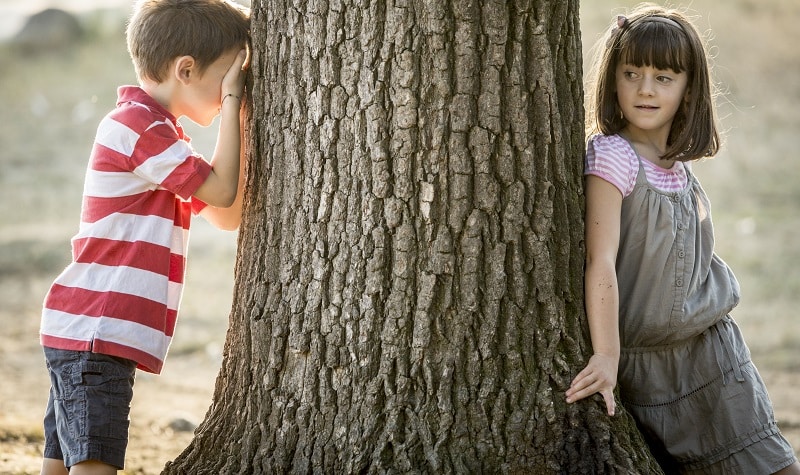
(53, 100)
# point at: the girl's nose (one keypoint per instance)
(646, 86)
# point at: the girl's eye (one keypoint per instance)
(630, 75)
(664, 79)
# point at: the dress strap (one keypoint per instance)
(641, 174)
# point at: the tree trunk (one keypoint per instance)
(409, 292)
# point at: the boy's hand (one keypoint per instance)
(233, 82)
(599, 376)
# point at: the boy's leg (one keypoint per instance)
(793, 469)
(53, 467)
(91, 398)
(93, 467)
(90, 467)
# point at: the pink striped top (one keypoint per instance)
(612, 158)
(120, 295)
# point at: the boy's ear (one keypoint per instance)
(184, 69)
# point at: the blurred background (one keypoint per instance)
(59, 78)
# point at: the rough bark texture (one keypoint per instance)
(409, 280)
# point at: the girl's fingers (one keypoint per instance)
(580, 390)
(611, 405)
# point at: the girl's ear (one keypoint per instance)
(184, 69)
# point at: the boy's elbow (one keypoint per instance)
(224, 199)
(225, 219)
(216, 193)
(227, 201)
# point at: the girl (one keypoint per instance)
(657, 297)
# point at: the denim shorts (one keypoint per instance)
(87, 412)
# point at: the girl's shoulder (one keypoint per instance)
(612, 158)
(613, 144)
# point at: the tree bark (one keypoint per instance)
(409, 292)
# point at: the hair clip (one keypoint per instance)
(622, 22)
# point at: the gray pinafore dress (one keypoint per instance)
(685, 372)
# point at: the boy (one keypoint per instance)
(114, 308)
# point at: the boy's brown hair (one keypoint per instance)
(161, 30)
(664, 39)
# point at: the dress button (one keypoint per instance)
(681, 254)
(679, 283)
(680, 225)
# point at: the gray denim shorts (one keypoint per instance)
(87, 412)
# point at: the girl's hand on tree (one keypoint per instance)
(599, 376)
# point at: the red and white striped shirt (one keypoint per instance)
(121, 293)
(612, 158)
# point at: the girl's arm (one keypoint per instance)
(603, 205)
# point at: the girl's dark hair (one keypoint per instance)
(664, 39)
(161, 30)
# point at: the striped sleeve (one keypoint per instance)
(155, 154)
(172, 164)
(611, 158)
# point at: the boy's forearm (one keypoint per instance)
(229, 218)
(220, 187)
(225, 162)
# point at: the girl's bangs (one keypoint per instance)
(655, 44)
